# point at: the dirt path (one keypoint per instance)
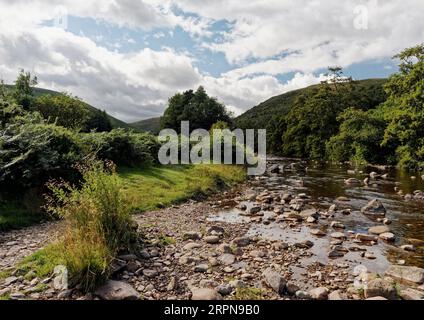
(15, 245)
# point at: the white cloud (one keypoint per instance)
(267, 39)
(130, 86)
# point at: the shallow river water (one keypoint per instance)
(324, 184)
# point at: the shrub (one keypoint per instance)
(123, 147)
(98, 223)
(63, 110)
(33, 152)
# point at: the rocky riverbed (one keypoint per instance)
(279, 236)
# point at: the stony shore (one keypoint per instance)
(192, 254)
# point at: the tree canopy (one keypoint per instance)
(197, 107)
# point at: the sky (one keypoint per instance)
(129, 56)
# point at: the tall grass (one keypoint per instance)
(98, 223)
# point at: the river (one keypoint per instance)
(323, 184)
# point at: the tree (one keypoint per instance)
(24, 89)
(98, 121)
(64, 110)
(197, 107)
(359, 138)
(404, 108)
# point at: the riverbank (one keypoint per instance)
(289, 234)
(145, 189)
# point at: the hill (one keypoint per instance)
(260, 117)
(116, 123)
(151, 125)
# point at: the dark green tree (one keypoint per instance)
(404, 108)
(98, 121)
(64, 110)
(24, 89)
(197, 107)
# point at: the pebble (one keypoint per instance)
(211, 239)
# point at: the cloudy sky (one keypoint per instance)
(129, 56)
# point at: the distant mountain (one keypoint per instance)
(116, 123)
(260, 117)
(151, 125)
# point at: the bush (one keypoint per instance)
(63, 110)
(123, 147)
(33, 152)
(98, 223)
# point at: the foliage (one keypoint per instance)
(123, 147)
(98, 223)
(98, 121)
(33, 152)
(404, 108)
(24, 89)
(63, 110)
(197, 107)
(359, 138)
(273, 114)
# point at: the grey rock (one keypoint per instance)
(10, 280)
(117, 290)
(227, 259)
(192, 235)
(406, 274)
(303, 295)
(374, 208)
(205, 294)
(387, 236)
(149, 273)
(60, 280)
(336, 295)
(379, 230)
(411, 294)
(201, 268)
(192, 245)
(380, 288)
(225, 290)
(216, 231)
(242, 241)
(211, 239)
(274, 280)
(319, 293)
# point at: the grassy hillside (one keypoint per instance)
(116, 123)
(260, 117)
(151, 125)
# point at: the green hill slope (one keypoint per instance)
(260, 117)
(116, 123)
(151, 125)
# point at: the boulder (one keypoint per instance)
(413, 275)
(274, 280)
(380, 288)
(227, 259)
(366, 237)
(374, 208)
(192, 235)
(352, 181)
(205, 294)
(216, 231)
(60, 280)
(336, 295)
(319, 293)
(379, 230)
(241, 242)
(117, 290)
(387, 236)
(338, 235)
(411, 294)
(211, 239)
